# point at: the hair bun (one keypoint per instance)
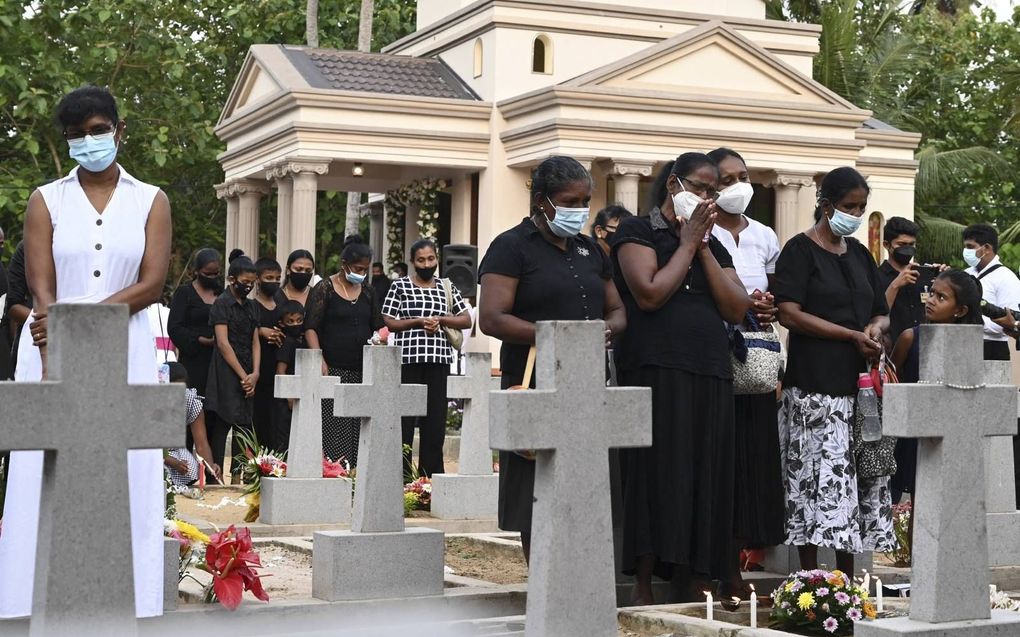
(353, 239)
(236, 252)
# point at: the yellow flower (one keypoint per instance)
(191, 532)
(869, 610)
(789, 587)
(836, 581)
(806, 601)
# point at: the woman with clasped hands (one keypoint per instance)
(679, 286)
(829, 296)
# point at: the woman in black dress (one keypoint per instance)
(270, 299)
(415, 311)
(543, 269)
(830, 298)
(298, 275)
(341, 316)
(189, 329)
(679, 286)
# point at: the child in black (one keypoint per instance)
(292, 324)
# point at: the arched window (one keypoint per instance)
(875, 224)
(478, 57)
(541, 56)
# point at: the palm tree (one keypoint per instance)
(351, 226)
(312, 23)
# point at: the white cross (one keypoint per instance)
(951, 413)
(380, 401)
(572, 420)
(474, 387)
(308, 388)
(85, 418)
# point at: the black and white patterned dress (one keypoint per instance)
(193, 404)
(406, 300)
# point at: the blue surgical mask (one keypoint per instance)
(568, 222)
(970, 257)
(355, 278)
(844, 224)
(94, 153)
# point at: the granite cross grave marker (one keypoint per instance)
(572, 420)
(377, 556)
(951, 411)
(473, 492)
(1003, 517)
(79, 589)
(304, 496)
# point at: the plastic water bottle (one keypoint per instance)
(867, 404)
(164, 373)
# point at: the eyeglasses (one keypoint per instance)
(697, 186)
(75, 135)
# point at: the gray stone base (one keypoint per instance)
(305, 501)
(1003, 539)
(457, 497)
(171, 572)
(784, 559)
(1002, 623)
(351, 566)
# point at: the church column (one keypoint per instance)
(627, 176)
(789, 210)
(250, 194)
(227, 191)
(305, 176)
(284, 200)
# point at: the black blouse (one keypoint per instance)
(842, 289)
(189, 319)
(269, 318)
(343, 327)
(687, 332)
(241, 319)
(552, 284)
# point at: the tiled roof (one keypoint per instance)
(877, 124)
(378, 73)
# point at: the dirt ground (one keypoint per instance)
(221, 506)
(499, 567)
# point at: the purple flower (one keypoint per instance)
(822, 591)
(785, 605)
(830, 624)
(854, 615)
(796, 586)
(842, 597)
(855, 600)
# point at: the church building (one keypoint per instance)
(484, 90)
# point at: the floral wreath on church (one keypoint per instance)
(422, 192)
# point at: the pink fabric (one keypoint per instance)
(164, 343)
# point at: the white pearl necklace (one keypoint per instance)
(953, 386)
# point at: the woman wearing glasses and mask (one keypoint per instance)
(97, 235)
(679, 286)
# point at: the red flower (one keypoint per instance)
(336, 469)
(230, 558)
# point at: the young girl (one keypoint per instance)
(292, 317)
(234, 369)
(955, 297)
(182, 462)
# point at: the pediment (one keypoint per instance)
(712, 60)
(255, 82)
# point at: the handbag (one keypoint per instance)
(529, 369)
(875, 459)
(454, 335)
(755, 358)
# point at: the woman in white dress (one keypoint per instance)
(97, 235)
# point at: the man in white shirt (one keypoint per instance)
(1000, 286)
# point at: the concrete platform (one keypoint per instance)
(1003, 623)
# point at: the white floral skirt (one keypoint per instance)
(819, 472)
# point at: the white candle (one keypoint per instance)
(709, 611)
(878, 594)
(754, 608)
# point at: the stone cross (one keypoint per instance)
(308, 388)
(1000, 491)
(952, 411)
(571, 420)
(85, 417)
(475, 456)
(380, 401)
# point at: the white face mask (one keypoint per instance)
(735, 199)
(685, 202)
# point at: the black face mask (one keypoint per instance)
(269, 288)
(903, 254)
(425, 274)
(300, 280)
(212, 283)
(242, 289)
(293, 331)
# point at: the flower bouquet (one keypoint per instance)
(338, 469)
(418, 495)
(901, 528)
(229, 556)
(257, 462)
(820, 603)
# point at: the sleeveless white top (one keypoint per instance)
(95, 256)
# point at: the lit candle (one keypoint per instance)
(709, 614)
(867, 580)
(878, 595)
(754, 608)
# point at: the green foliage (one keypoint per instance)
(171, 66)
(941, 241)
